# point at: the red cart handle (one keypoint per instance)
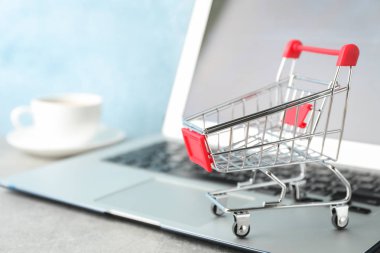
(347, 55)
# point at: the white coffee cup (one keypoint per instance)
(67, 118)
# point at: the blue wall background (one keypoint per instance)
(126, 51)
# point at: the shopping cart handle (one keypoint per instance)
(347, 56)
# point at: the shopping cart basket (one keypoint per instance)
(293, 121)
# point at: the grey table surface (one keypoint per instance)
(30, 224)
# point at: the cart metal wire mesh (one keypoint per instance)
(273, 126)
(286, 122)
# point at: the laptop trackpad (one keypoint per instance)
(161, 201)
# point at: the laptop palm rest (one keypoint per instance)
(160, 201)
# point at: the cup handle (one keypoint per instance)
(16, 115)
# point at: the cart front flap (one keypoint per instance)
(197, 149)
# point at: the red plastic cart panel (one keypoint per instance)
(197, 149)
(303, 110)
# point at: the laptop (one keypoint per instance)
(151, 180)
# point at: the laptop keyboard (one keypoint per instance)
(321, 183)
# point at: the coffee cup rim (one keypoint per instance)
(85, 99)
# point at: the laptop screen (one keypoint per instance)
(243, 46)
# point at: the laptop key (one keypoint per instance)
(358, 209)
(337, 195)
(367, 197)
(309, 199)
(322, 172)
(366, 186)
(377, 189)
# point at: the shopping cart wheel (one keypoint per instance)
(216, 210)
(339, 217)
(241, 231)
(241, 225)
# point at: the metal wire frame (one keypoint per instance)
(268, 142)
(226, 158)
(215, 196)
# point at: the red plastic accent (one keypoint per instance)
(291, 49)
(290, 115)
(347, 56)
(196, 149)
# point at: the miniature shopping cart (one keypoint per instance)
(293, 121)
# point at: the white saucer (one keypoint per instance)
(27, 141)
